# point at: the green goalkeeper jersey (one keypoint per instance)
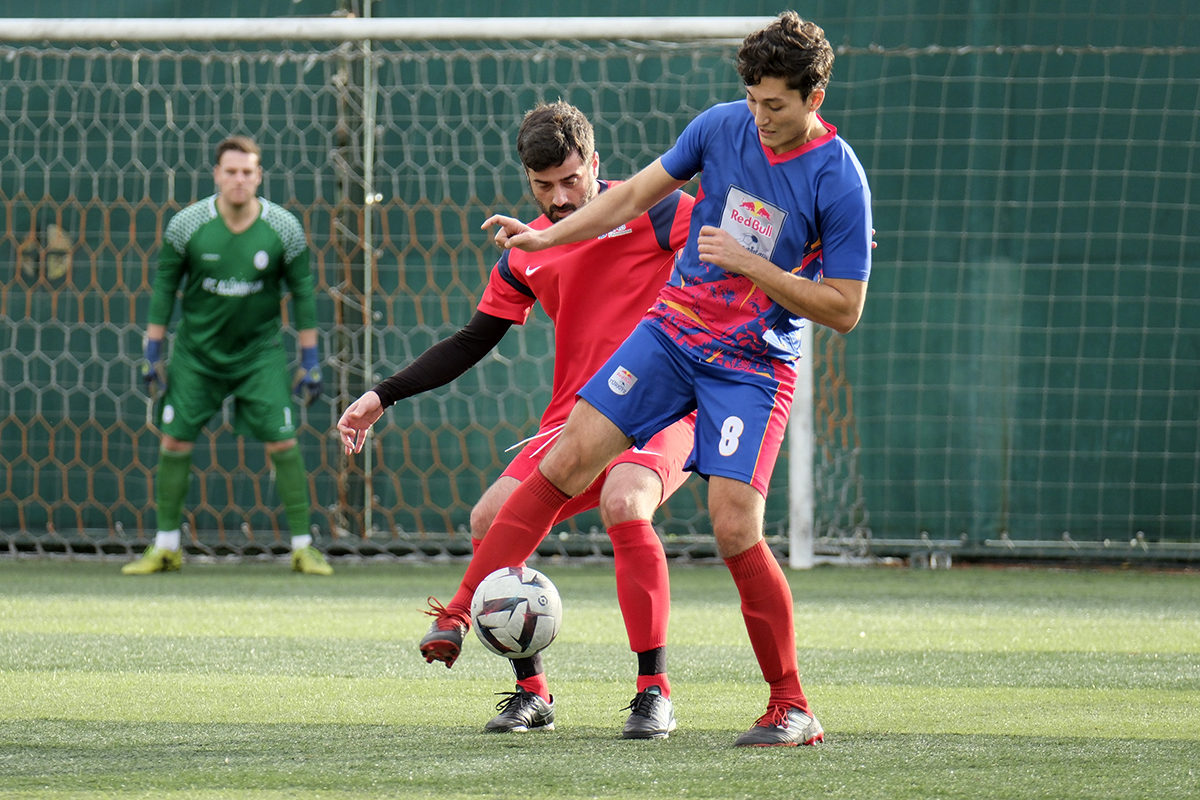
(235, 284)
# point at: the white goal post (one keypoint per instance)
(350, 29)
(802, 498)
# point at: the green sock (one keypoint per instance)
(291, 481)
(171, 482)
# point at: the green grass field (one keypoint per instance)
(250, 681)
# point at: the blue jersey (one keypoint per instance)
(808, 211)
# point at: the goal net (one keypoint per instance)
(391, 153)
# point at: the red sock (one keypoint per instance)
(531, 675)
(536, 684)
(475, 548)
(643, 585)
(767, 610)
(523, 521)
(644, 682)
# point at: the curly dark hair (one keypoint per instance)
(551, 132)
(788, 48)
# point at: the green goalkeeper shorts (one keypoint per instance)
(262, 407)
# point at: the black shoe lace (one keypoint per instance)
(511, 699)
(643, 704)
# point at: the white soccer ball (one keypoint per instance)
(516, 612)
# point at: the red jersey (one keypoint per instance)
(595, 291)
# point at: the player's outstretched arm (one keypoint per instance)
(618, 205)
(437, 366)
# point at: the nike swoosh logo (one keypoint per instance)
(531, 270)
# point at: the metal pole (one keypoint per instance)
(370, 90)
(801, 482)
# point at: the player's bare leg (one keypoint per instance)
(737, 510)
(589, 442)
(489, 505)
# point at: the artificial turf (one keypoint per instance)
(247, 680)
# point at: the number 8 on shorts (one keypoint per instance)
(731, 429)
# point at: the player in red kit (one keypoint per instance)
(594, 292)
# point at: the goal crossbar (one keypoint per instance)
(379, 28)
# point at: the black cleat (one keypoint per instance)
(520, 712)
(651, 716)
(782, 727)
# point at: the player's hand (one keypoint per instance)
(153, 370)
(719, 248)
(357, 420)
(512, 233)
(308, 384)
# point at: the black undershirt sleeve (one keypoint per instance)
(446, 360)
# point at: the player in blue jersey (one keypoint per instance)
(780, 235)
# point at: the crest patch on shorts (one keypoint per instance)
(621, 381)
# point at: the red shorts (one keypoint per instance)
(665, 454)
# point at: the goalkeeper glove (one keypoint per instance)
(308, 384)
(154, 372)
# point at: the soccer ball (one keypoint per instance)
(516, 612)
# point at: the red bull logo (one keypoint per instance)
(757, 209)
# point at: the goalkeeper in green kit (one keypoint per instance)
(240, 254)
